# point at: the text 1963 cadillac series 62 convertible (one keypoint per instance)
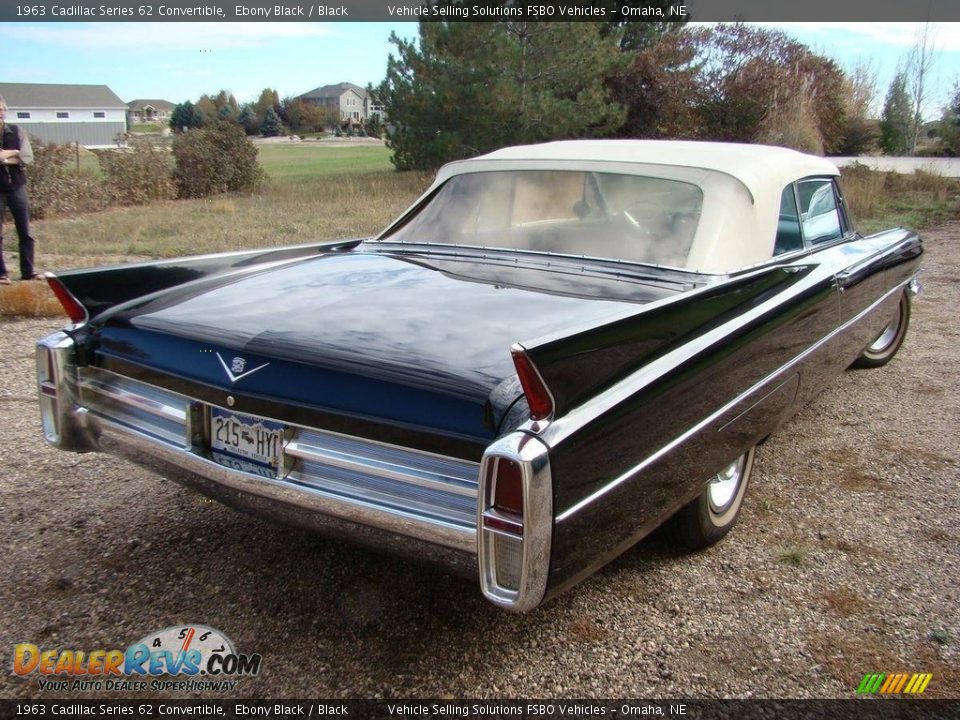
(555, 350)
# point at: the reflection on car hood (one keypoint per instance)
(361, 320)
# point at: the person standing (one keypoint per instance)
(14, 155)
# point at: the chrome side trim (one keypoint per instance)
(714, 416)
(435, 479)
(531, 454)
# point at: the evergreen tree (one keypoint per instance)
(949, 129)
(185, 116)
(248, 120)
(636, 35)
(897, 118)
(268, 99)
(271, 125)
(467, 88)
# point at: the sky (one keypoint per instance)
(181, 61)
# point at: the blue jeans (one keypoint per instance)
(16, 200)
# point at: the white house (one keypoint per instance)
(91, 115)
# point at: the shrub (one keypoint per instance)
(57, 187)
(215, 159)
(138, 174)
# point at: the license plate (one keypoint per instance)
(245, 436)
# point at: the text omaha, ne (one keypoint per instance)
(535, 11)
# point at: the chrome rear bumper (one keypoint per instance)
(404, 501)
(378, 494)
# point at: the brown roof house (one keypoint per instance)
(91, 115)
(149, 111)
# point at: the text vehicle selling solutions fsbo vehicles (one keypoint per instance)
(556, 349)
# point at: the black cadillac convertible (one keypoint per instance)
(555, 350)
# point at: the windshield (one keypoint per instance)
(606, 215)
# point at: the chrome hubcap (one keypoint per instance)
(722, 488)
(885, 338)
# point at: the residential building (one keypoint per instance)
(353, 102)
(91, 115)
(149, 111)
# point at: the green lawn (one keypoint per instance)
(300, 161)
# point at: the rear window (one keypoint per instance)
(606, 215)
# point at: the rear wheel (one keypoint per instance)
(888, 342)
(714, 512)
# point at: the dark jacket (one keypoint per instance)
(12, 177)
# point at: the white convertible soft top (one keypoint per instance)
(741, 184)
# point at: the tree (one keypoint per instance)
(637, 35)
(860, 89)
(302, 116)
(660, 90)
(735, 83)
(185, 116)
(271, 125)
(467, 88)
(897, 118)
(268, 99)
(919, 68)
(248, 120)
(755, 81)
(949, 128)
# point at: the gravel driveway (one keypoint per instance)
(845, 562)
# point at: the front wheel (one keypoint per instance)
(888, 342)
(708, 518)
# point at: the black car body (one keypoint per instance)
(555, 350)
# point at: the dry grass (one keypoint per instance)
(881, 200)
(846, 602)
(850, 656)
(29, 299)
(584, 629)
(328, 207)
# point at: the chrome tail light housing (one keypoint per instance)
(60, 415)
(515, 522)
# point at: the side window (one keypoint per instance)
(788, 226)
(818, 211)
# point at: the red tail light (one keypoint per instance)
(538, 397)
(75, 311)
(508, 491)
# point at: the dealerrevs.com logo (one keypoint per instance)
(187, 657)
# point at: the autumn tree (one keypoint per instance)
(467, 88)
(268, 99)
(302, 116)
(735, 83)
(860, 89)
(660, 90)
(755, 81)
(897, 119)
